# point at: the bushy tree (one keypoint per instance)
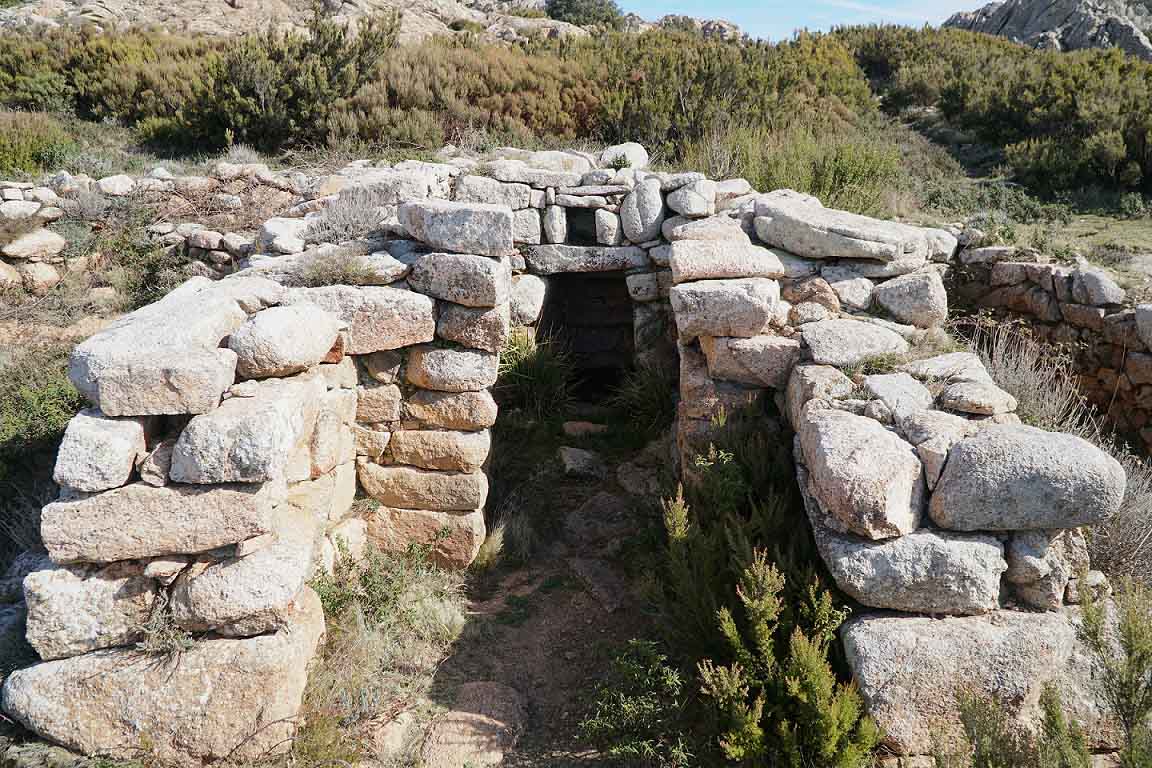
(585, 13)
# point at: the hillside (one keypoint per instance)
(495, 20)
(419, 19)
(1064, 25)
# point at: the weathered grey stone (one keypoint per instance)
(74, 609)
(141, 520)
(551, 259)
(942, 244)
(144, 363)
(555, 224)
(900, 392)
(466, 411)
(411, 488)
(254, 594)
(249, 439)
(1144, 324)
(761, 361)
(444, 450)
(98, 452)
(982, 398)
(695, 200)
(921, 572)
(1095, 287)
(609, 230)
(1041, 563)
(280, 235)
(866, 478)
(281, 341)
(846, 342)
(711, 229)
(629, 155)
(744, 307)
(154, 465)
(816, 232)
(517, 171)
(482, 189)
(452, 370)
(911, 671)
(918, 299)
(378, 317)
(642, 212)
(814, 382)
(527, 299)
(577, 462)
(708, 260)
(1015, 477)
(37, 245)
(854, 291)
(527, 228)
(453, 538)
(328, 497)
(473, 281)
(486, 328)
(221, 700)
(461, 227)
(383, 366)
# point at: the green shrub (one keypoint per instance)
(279, 88)
(585, 13)
(353, 214)
(638, 711)
(1064, 120)
(32, 142)
(993, 738)
(535, 377)
(1132, 205)
(36, 402)
(646, 399)
(1122, 645)
(779, 701)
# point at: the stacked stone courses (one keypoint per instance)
(232, 425)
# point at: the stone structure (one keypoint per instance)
(232, 424)
(1077, 307)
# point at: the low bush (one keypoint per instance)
(536, 377)
(585, 13)
(36, 402)
(1121, 641)
(31, 143)
(993, 738)
(353, 214)
(646, 399)
(638, 712)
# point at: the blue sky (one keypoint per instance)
(776, 19)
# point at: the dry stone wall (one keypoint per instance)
(955, 528)
(233, 423)
(1078, 307)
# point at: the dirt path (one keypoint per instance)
(550, 629)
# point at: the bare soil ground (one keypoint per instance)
(549, 629)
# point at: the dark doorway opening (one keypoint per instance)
(590, 316)
(581, 226)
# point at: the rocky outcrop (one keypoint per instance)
(1064, 25)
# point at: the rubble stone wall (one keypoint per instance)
(1079, 308)
(233, 424)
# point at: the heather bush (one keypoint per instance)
(31, 142)
(585, 12)
(426, 95)
(1064, 120)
